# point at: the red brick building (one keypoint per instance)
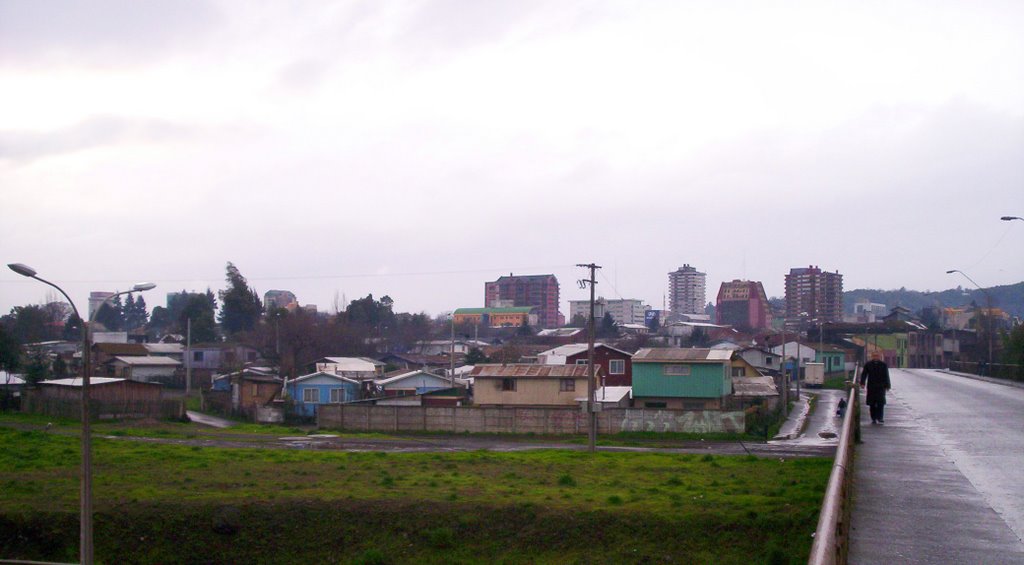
(743, 305)
(538, 291)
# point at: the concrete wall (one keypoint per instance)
(522, 420)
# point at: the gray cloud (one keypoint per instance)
(98, 131)
(100, 32)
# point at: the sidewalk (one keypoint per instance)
(912, 505)
(1005, 382)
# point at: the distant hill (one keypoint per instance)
(1008, 297)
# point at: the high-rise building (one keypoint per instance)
(539, 291)
(812, 294)
(623, 311)
(97, 298)
(686, 291)
(743, 304)
(274, 299)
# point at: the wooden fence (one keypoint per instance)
(104, 410)
(569, 420)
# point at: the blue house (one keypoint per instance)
(309, 391)
(412, 382)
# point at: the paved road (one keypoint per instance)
(941, 481)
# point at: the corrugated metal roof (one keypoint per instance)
(676, 354)
(321, 373)
(754, 386)
(144, 361)
(352, 363)
(531, 371)
(164, 347)
(77, 382)
(609, 394)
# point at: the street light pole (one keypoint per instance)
(85, 517)
(988, 314)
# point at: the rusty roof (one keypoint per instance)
(133, 349)
(531, 371)
(677, 354)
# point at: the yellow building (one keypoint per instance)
(530, 385)
(496, 317)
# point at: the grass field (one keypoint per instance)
(161, 503)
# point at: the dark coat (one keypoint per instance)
(876, 375)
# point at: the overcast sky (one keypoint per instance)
(419, 149)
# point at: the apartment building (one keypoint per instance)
(537, 291)
(687, 290)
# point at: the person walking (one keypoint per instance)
(876, 376)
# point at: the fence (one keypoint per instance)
(831, 539)
(569, 420)
(997, 370)
(104, 410)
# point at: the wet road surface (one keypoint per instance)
(941, 481)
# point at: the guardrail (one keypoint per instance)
(831, 539)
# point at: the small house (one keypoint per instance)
(529, 385)
(616, 365)
(143, 369)
(681, 379)
(409, 383)
(310, 391)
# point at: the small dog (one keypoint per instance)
(841, 411)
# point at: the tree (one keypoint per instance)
(111, 315)
(135, 314)
(607, 329)
(1013, 347)
(29, 324)
(72, 328)
(577, 321)
(198, 308)
(10, 351)
(475, 356)
(37, 369)
(241, 306)
(524, 330)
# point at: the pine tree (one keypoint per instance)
(241, 306)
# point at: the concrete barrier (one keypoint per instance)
(521, 420)
(832, 537)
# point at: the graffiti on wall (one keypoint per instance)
(701, 421)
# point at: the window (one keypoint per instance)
(739, 371)
(508, 384)
(566, 385)
(654, 404)
(337, 395)
(677, 370)
(617, 366)
(581, 361)
(197, 356)
(311, 395)
(255, 390)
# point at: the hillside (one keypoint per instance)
(1008, 297)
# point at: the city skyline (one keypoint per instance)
(419, 149)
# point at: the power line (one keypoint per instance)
(321, 277)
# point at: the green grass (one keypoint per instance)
(837, 382)
(536, 506)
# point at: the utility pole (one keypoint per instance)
(451, 354)
(591, 413)
(188, 359)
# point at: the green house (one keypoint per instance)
(833, 358)
(681, 379)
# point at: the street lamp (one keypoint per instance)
(1011, 218)
(988, 301)
(85, 518)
